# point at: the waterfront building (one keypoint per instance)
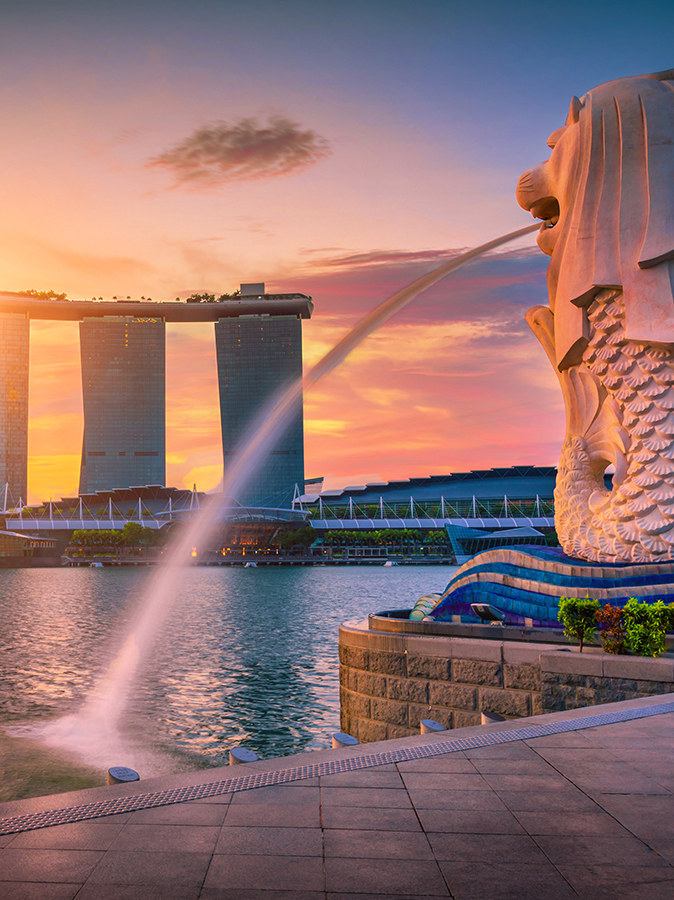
(123, 376)
(257, 355)
(499, 498)
(124, 391)
(14, 354)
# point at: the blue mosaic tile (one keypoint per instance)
(549, 567)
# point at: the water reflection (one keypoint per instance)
(246, 656)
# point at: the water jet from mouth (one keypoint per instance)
(94, 730)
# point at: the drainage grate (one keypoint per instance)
(297, 773)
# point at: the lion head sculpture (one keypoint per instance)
(606, 197)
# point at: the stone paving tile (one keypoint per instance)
(455, 799)
(570, 757)
(664, 848)
(455, 763)
(38, 891)
(505, 881)
(620, 882)
(271, 841)
(97, 835)
(586, 850)
(376, 845)
(667, 782)
(646, 816)
(219, 799)
(570, 823)
(507, 848)
(367, 819)
(653, 764)
(417, 878)
(67, 866)
(516, 750)
(332, 895)
(616, 778)
(181, 814)
(278, 873)
(445, 782)
(621, 744)
(166, 838)
(514, 766)
(537, 801)
(469, 821)
(566, 739)
(239, 894)
(138, 892)
(500, 781)
(143, 868)
(373, 797)
(371, 778)
(278, 793)
(275, 815)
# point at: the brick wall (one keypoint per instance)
(389, 682)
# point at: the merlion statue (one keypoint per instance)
(606, 196)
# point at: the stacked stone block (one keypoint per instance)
(570, 681)
(389, 682)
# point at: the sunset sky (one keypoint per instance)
(339, 149)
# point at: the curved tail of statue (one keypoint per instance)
(620, 410)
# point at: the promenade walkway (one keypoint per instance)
(473, 814)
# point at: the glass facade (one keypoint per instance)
(124, 392)
(14, 352)
(256, 356)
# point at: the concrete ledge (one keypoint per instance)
(572, 663)
(643, 668)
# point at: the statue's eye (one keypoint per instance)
(555, 136)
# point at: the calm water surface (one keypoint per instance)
(247, 656)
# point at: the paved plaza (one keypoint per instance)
(587, 813)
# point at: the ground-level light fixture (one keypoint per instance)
(488, 614)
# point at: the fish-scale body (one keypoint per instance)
(620, 408)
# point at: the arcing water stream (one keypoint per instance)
(93, 733)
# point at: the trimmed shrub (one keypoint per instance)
(579, 618)
(645, 626)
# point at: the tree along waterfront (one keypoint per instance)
(135, 539)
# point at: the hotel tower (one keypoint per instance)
(124, 394)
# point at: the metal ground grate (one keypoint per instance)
(117, 805)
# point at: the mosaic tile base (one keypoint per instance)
(116, 805)
(527, 582)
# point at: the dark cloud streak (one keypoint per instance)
(242, 151)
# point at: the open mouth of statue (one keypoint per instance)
(548, 210)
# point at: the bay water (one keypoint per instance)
(245, 657)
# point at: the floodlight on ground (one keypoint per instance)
(430, 726)
(488, 613)
(490, 718)
(339, 739)
(122, 775)
(239, 755)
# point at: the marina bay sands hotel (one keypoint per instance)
(258, 344)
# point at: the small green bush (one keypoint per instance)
(578, 616)
(645, 626)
